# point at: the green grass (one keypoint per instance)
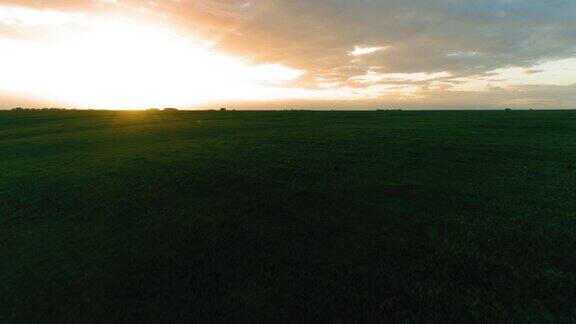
(282, 216)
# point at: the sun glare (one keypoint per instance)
(114, 63)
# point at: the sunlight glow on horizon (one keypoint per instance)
(116, 63)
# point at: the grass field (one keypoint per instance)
(281, 216)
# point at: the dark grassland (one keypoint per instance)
(282, 216)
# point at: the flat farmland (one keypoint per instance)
(151, 216)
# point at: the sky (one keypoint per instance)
(324, 54)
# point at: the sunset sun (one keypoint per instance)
(120, 63)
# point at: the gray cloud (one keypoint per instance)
(423, 35)
(464, 38)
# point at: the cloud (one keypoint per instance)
(394, 41)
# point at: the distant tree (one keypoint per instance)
(170, 109)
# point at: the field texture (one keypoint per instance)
(281, 216)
